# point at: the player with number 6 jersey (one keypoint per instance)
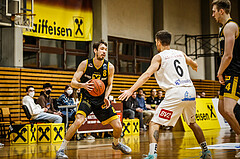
(172, 75)
(179, 89)
(179, 77)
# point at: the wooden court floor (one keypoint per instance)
(172, 145)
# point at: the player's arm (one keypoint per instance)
(78, 74)
(156, 62)
(229, 35)
(190, 62)
(109, 86)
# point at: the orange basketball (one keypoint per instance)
(99, 87)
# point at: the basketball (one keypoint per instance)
(99, 87)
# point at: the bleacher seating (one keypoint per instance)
(13, 82)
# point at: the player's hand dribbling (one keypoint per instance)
(88, 86)
(107, 103)
(125, 95)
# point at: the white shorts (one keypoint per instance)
(177, 101)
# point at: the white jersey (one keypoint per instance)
(173, 71)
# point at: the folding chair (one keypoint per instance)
(5, 120)
(28, 115)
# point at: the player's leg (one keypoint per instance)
(229, 94)
(117, 130)
(153, 132)
(198, 133)
(228, 114)
(153, 139)
(166, 114)
(84, 110)
(73, 128)
(220, 101)
(109, 116)
(71, 131)
(189, 116)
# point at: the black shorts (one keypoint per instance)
(104, 115)
(231, 88)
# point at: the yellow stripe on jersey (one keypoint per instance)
(99, 66)
(86, 66)
(109, 120)
(234, 88)
(81, 112)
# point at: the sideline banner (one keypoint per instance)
(206, 116)
(62, 20)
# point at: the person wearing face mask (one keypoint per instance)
(46, 101)
(67, 99)
(36, 111)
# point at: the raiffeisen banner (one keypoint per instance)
(206, 115)
(62, 20)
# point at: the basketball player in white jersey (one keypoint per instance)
(172, 75)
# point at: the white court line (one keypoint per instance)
(221, 146)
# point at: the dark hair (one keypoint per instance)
(28, 88)
(139, 89)
(97, 44)
(46, 85)
(67, 86)
(41, 93)
(223, 4)
(164, 37)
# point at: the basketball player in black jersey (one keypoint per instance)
(229, 70)
(101, 69)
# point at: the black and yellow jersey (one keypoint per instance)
(234, 67)
(92, 72)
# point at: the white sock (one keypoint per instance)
(152, 148)
(64, 145)
(204, 146)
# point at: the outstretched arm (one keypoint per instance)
(156, 62)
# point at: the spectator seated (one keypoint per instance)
(131, 109)
(147, 114)
(67, 99)
(35, 110)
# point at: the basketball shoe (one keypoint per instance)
(61, 155)
(237, 155)
(154, 156)
(206, 155)
(124, 148)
